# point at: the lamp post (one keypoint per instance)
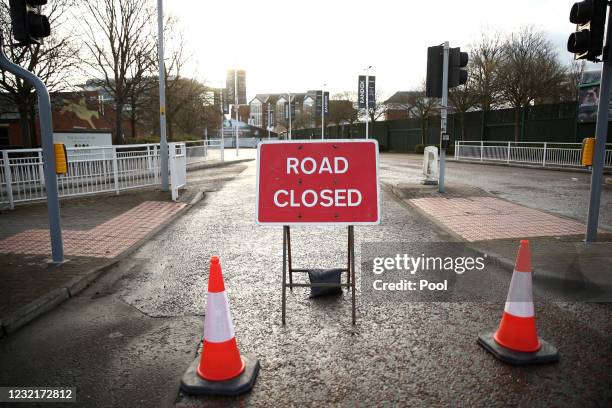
(367, 104)
(163, 142)
(289, 99)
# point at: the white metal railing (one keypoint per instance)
(540, 154)
(91, 170)
(204, 150)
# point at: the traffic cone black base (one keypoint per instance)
(193, 384)
(546, 354)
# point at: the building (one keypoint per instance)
(84, 110)
(399, 106)
(268, 110)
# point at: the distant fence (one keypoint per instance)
(537, 154)
(204, 150)
(552, 123)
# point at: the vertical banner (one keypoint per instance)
(239, 86)
(326, 103)
(318, 102)
(286, 110)
(270, 118)
(361, 92)
(371, 91)
(225, 101)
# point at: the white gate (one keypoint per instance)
(178, 167)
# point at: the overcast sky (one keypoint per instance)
(294, 46)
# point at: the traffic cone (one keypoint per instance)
(516, 340)
(220, 370)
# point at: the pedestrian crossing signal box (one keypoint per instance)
(445, 140)
(588, 147)
(61, 158)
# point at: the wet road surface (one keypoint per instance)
(127, 339)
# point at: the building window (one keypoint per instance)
(256, 113)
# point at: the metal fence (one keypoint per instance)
(204, 150)
(538, 154)
(91, 170)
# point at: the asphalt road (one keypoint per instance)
(561, 192)
(128, 338)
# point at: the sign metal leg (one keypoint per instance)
(352, 269)
(348, 250)
(284, 301)
(289, 258)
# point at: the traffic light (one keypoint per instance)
(433, 83)
(29, 25)
(590, 19)
(457, 71)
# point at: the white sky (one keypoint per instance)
(291, 46)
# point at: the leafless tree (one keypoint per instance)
(342, 112)
(485, 58)
(529, 71)
(379, 109)
(54, 62)
(572, 81)
(423, 108)
(463, 98)
(119, 36)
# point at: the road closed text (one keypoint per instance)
(341, 197)
(312, 182)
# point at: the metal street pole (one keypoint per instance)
(236, 110)
(289, 116)
(46, 133)
(163, 141)
(443, 116)
(323, 112)
(601, 133)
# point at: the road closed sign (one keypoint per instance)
(327, 182)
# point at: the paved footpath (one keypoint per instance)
(127, 339)
(97, 231)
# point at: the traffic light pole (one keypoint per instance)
(323, 113)
(236, 110)
(163, 141)
(46, 133)
(290, 115)
(601, 134)
(443, 114)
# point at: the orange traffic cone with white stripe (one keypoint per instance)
(516, 340)
(220, 369)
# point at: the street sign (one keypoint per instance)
(371, 91)
(240, 86)
(326, 103)
(361, 92)
(286, 110)
(312, 182)
(225, 101)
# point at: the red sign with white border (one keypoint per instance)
(318, 182)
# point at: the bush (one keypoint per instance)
(419, 149)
